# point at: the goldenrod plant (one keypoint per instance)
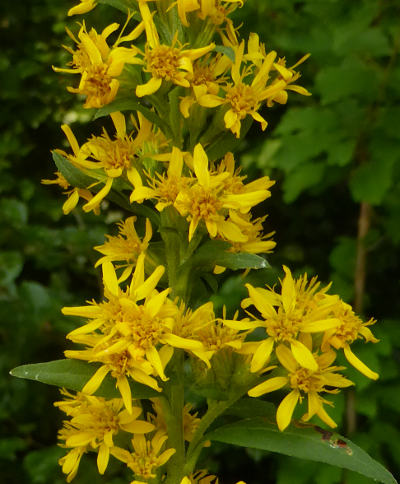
(155, 374)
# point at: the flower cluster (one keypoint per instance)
(301, 326)
(178, 87)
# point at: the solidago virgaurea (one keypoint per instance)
(159, 367)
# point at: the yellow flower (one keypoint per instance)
(146, 457)
(83, 7)
(207, 77)
(210, 197)
(98, 64)
(108, 159)
(215, 10)
(170, 63)
(303, 381)
(128, 339)
(73, 195)
(289, 76)
(126, 246)
(190, 421)
(300, 308)
(257, 242)
(94, 422)
(350, 329)
(243, 97)
(164, 187)
(200, 477)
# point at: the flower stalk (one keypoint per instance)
(195, 87)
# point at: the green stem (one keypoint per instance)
(173, 405)
(214, 410)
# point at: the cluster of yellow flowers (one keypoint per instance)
(192, 85)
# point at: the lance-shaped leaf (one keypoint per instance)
(123, 5)
(74, 176)
(215, 252)
(129, 104)
(313, 443)
(228, 51)
(73, 374)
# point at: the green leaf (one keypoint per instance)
(307, 443)
(128, 104)
(228, 51)
(122, 5)
(73, 175)
(372, 180)
(305, 176)
(351, 79)
(73, 374)
(13, 212)
(252, 406)
(11, 265)
(215, 252)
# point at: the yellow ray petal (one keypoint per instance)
(110, 279)
(102, 458)
(288, 291)
(358, 364)
(268, 386)
(286, 409)
(95, 201)
(322, 414)
(286, 358)
(97, 379)
(261, 303)
(150, 87)
(262, 355)
(149, 284)
(125, 391)
(200, 163)
(303, 355)
(154, 358)
(119, 123)
(321, 325)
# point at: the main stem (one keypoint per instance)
(173, 404)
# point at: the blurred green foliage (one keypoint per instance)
(328, 153)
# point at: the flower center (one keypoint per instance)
(283, 327)
(242, 99)
(141, 330)
(205, 204)
(306, 381)
(97, 81)
(163, 61)
(113, 154)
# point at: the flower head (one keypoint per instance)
(256, 79)
(108, 159)
(74, 194)
(301, 308)
(169, 63)
(92, 425)
(129, 338)
(304, 382)
(147, 455)
(350, 329)
(210, 198)
(126, 246)
(98, 64)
